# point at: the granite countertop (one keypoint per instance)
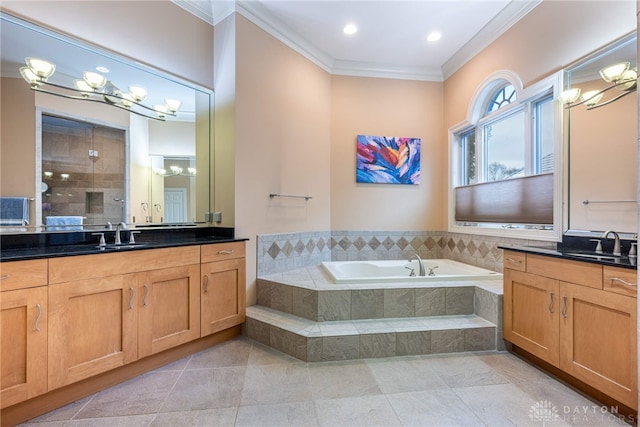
(574, 254)
(24, 247)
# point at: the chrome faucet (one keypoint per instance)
(121, 226)
(616, 244)
(421, 270)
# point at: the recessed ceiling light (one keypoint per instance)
(434, 36)
(102, 69)
(350, 29)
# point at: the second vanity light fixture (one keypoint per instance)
(619, 76)
(97, 88)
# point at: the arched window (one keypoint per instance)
(504, 156)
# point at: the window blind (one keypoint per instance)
(527, 200)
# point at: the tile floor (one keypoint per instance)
(243, 383)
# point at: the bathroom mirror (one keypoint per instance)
(602, 145)
(74, 155)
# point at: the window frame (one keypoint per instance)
(526, 99)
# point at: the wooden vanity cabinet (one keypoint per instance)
(223, 301)
(99, 320)
(23, 330)
(168, 308)
(579, 317)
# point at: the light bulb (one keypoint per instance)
(94, 80)
(570, 96)
(613, 72)
(41, 68)
(172, 104)
(139, 93)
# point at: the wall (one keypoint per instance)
(386, 107)
(552, 36)
(157, 33)
(282, 140)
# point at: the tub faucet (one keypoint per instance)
(616, 244)
(421, 270)
(121, 226)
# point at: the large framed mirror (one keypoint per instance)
(135, 148)
(602, 123)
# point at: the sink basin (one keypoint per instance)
(602, 257)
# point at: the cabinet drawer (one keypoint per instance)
(23, 274)
(580, 273)
(620, 280)
(515, 260)
(221, 251)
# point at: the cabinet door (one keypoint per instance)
(92, 327)
(223, 295)
(169, 308)
(23, 358)
(598, 341)
(531, 314)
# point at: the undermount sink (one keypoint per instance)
(602, 257)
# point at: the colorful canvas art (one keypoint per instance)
(388, 160)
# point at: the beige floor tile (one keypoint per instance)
(397, 375)
(129, 421)
(294, 414)
(276, 383)
(331, 380)
(437, 408)
(465, 370)
(230, 353)
(366, 411)
(223, 417)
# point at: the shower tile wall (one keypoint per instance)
(282, 252)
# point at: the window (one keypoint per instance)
(504, 159)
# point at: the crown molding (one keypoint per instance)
(215, 11)
(507, 17)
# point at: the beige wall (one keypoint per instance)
(157, 33)
(386, 107)
(283, 122)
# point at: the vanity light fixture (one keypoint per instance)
(620, 76)
(96, 88)
(175, 170)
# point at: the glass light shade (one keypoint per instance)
(173, 104)
(613, 72)
(40, 67)
(84, 87)
(64, 176)
(138, 93)
(160, 109)
(127, 100)
(29, 76)
(591, 97)
(48, 174)
(176, 169)
(160, 171)
(192, 171)
(628, 80)
(94, 80)
(570, 96)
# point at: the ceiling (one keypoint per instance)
(391, 37)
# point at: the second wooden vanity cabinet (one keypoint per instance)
(579, 317)
(23, 326)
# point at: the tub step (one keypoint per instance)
(312, 341)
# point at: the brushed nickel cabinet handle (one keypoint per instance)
(624, 282)
(5, 277)
(564, 307)
(551, 302)
(132, 292)
(206, 284)
(38, 317)
(225, 252)
(515, 261)
(146, 292)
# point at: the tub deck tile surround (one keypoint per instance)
(304, 314)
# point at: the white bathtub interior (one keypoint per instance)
(388, 271)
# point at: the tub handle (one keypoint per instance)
(413, 271)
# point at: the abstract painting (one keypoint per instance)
(388, 160)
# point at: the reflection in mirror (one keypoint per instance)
(84, 158)
(602, 143)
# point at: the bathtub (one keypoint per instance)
(389, 271)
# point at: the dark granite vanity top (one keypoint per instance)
(15, 247)
(577, 254)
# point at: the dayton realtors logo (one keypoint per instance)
(544, 412)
